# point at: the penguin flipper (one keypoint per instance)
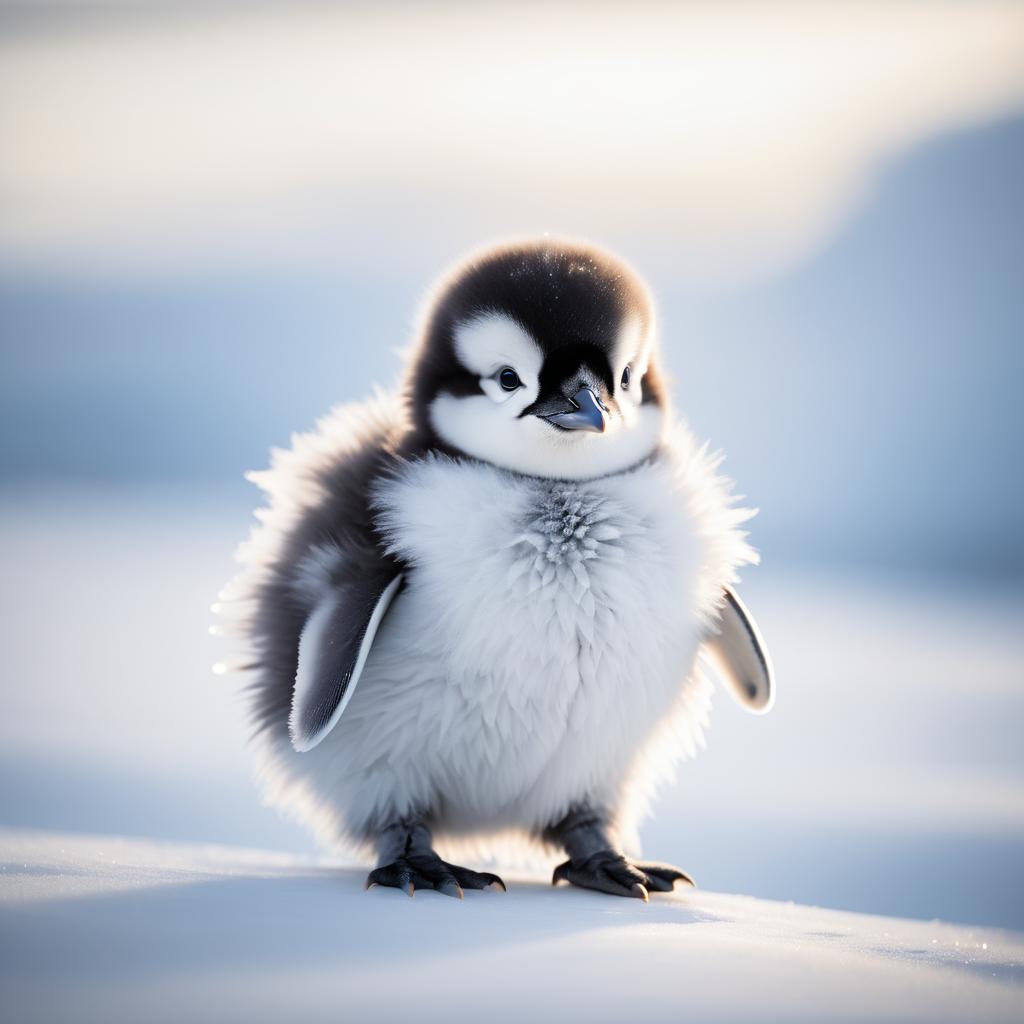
(740, 655)
(333, 649)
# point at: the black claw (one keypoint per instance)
(428, 871)
(476, 879)
(394, 876)
(449, 887)
(611, 872)
(667, 873)
(657, 883)
(639, 892)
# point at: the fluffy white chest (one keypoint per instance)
(546, 630)
(541, 654)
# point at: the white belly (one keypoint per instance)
(545, 631)
(541, 654)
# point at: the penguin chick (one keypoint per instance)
(476, 607)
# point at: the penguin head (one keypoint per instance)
(540, 358)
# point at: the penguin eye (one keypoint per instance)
(626, 374)
(509, 379)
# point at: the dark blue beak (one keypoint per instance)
(589, 414)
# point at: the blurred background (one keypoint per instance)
(217, 219)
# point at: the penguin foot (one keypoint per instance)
(428, 871)
(611, 872)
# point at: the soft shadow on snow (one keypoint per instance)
(193, 919)
(199, 924)
(289, 922)
(114, 929)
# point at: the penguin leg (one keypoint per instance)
(596, 862)
(407, 861)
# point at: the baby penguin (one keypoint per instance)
(476, 608)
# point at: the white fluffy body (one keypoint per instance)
(544, 648)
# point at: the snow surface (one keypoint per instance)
(100, 928)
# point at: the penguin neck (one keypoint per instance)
(421, 443)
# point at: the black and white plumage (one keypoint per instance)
(476, 607)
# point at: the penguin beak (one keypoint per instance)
(588, 414)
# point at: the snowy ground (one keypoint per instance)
(888, 780)
(114, 929)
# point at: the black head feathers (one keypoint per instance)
(571, 299)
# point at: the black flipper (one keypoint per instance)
(741, 656)
(333, 648)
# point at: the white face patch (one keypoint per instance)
(632, 350)
(490, 427)
(489, 344)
